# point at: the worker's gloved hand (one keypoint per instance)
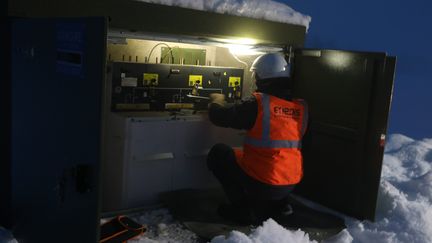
(217, 98)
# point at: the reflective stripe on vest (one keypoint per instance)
(265, 141)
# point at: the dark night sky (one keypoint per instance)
(400, 28)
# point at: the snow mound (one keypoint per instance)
(396, 141)
(269, 232)
(6, 236)
(162, 228)
(258, 9)
(404, 209)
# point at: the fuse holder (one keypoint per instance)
(150, 79)
(195, 80)
(234, 81)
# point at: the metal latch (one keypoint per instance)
(83, 175)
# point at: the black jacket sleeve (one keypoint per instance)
(237, 116)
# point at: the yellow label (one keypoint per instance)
(143, 106)
(195, 79)
(150, 79)
(234, 81)
(179, 106)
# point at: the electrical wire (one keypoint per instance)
(240, 61)
(170, 50)
(252, 86)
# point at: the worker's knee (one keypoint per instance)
(220, 154)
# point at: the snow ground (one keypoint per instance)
(6, 236)
(404, 210)
(258, 9)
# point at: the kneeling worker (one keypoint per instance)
(258, 179)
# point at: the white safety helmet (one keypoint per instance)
(271, 65)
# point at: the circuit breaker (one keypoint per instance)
(159, 87)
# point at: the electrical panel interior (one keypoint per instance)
(160, 87)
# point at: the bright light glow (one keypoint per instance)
(244, 50)
(339, 59)
(242, 41)
(235, 40)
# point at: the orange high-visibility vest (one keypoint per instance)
(271, 151)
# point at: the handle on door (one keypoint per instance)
(83, 178)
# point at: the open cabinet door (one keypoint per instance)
(57, 81)
(5, 180)
(349, 95)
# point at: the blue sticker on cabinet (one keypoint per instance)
(70, 41)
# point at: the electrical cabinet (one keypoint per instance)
(85, 121)
(152, 143)
(159, 87)
(56, 128)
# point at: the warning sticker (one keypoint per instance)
(195, 79)
(234, 81)
(150, 79)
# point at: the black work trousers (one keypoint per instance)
(240, 188)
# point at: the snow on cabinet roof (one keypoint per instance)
(258, 9)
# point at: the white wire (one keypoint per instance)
(252, 86)
(240, 61)
(161, 43)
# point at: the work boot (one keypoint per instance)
(237, 214)
(287, 210)
(264, 210)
